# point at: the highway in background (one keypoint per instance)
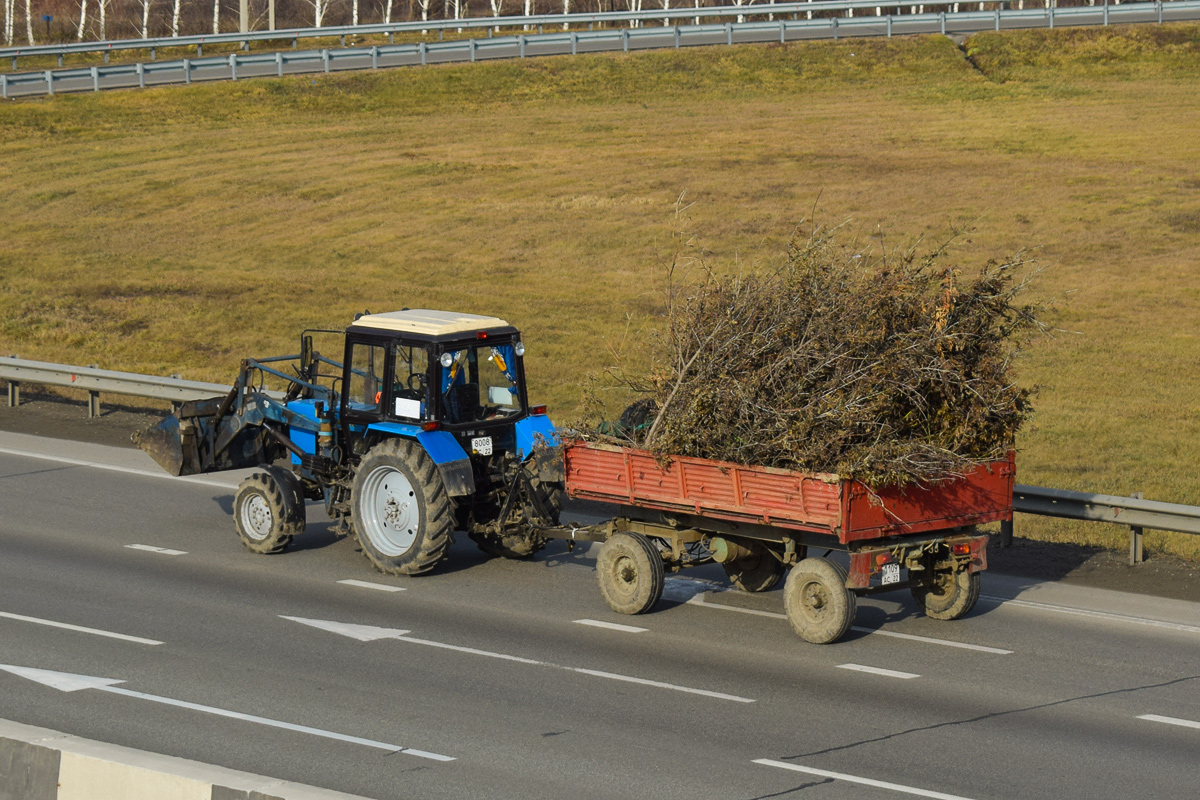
(512, 679)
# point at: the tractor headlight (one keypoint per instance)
(447, 360)
(519, 348)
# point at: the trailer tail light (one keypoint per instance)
(481, 335)
(882, 558)
(433, 425)
(537, 410)
(962, 549)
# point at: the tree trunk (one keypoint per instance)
(387, 13)
(9, 8)
(103, 19)
(216, 16)
(29, 22)
(566, 10)
(354, 12)
(145, 19)
(175, 18)
(82, 20)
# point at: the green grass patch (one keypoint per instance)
(181, 229)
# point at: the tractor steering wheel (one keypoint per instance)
(420, 378)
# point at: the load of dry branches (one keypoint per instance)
(892, 367)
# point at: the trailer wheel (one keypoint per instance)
(758, 572)
(817, 602)
(402, 515)
(268, 510)
(952, 595)
(630, 572)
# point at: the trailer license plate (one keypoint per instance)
(483, 446)
(891, 574)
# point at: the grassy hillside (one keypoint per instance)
(179, 230)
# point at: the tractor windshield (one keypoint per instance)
(479, 383)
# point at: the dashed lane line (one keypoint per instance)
(144, 473)
(887, 673)
(841, 776)
(160, 550)
(1085, 612)
(1183, 723)
(612, 626)
(79, 628)
(379, 587)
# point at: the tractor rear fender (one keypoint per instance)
(443, 449)
(534, 430)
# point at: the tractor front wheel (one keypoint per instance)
(268, 510)
(402, 515)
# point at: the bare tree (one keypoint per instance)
(145, 17)
(424, 6)
(10, 7)
(103, 6)
(82, 20)
(497, 6)
(354, 12)
(217, 16)
(175, 18)
(29, 22)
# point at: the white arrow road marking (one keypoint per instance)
(698, 600)
(895, 787)
(382, 587)
(1184, 723)
(161, 550)
(366, 633)
(94, 631)
(612, 626)
(887, 673)
(67, 682)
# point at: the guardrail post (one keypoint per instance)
(153, 54)
(422, 48)
(1158, 3)
(342, 40)
(199, 51)
(677, 35)
(14, 62)
(625, 39)
(392, 37)
(782, 33)
(1105, 12)
(93, 398)
(1050, 13)
(325, 58)
(49, 82)
(295, 43)
(14, 394)
(575, 42)
(60, 59)
(95, 78)
(1136, 552)
(520, 42)
(1006, 533)
(728, 33)
(4, 86)
(105, 56)
(187, 72)
(471, 47)
(833, 24)
(943, 20)
(374, 58)
(889, 26)
(141, 73)
(997, 17)
(279, 63)
(233, 66)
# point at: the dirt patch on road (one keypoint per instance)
(1161, 575)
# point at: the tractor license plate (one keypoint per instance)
(483, 446)
(890, 574)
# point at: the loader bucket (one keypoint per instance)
(164, 444)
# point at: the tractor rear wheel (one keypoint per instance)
(401, 513)
(630, 572)
(817, 602)
(268, 510)
(951, 595)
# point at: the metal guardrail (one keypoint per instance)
(94, 381)
(235, 66)
(769, 10)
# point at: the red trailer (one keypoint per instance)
(759, 522)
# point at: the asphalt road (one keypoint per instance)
(1043, 691)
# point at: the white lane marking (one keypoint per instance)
(839, 776)
(887, 673)
(682, 590)
(614, 626)
(382, 587)
(366, 633)
(699, 601)
(1084, 612)
(79, 628)
(965, 646)
(144, 473)
(706, 693)
(67, 682)
(151, 549)
(1183, 723)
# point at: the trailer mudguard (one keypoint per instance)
(532, 430)
(445, 451)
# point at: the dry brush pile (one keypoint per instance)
(891, 367)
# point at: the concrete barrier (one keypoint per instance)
(42, 764)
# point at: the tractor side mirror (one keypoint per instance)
(306, 356)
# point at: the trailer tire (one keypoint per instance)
(818, 604)
(629, 570)
(401, 513)
(758, 572)
(951, 596)
(268, 510)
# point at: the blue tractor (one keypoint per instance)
(423, 428)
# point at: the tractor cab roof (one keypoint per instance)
(426, 323)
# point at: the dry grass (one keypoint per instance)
(178, 230)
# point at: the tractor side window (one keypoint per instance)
(366, 377)
(410, 376)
